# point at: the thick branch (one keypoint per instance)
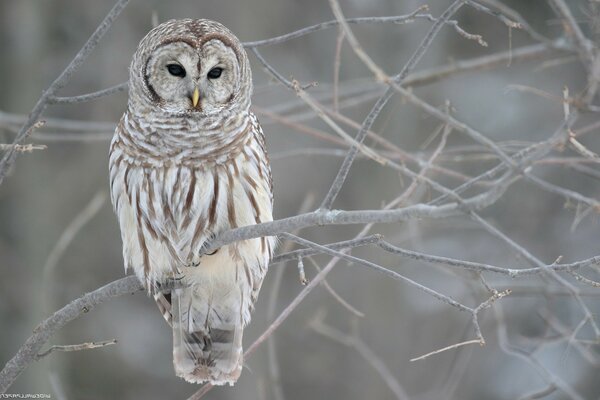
(330, 217)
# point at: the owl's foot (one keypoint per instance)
(196, 261)
(206, 243)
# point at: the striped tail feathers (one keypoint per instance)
(207, 338)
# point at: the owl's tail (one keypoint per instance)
(207, 335)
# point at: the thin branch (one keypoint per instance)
(9, 157)
(540, 394)
(344, 303)
(380, 75)
(508, 160)
(9, 120)
(318, 109)
(416, 79)
(481, 267)
(451, 347)
(444, 298)
(500, 59)
(307, 252)
(121, 87)
(47, 328)
(509, 17)
(70, 232)
(550, 378)
(572, 29)
(23, 148)
(336, 69)
(76, 347)
(567, 336)
(400, 19)
(339, 180)
(353, 341)
(387, 272)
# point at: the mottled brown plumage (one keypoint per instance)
(188, 161)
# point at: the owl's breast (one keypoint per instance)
(166, 213)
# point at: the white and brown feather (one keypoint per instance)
(175, 182)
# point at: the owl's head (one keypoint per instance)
(192, 68)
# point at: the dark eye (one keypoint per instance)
(176, 70)
(214, 73)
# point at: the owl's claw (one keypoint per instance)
(206, 243)
(197, 258)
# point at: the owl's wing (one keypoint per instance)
(264, 161)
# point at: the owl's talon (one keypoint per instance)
(211, 236)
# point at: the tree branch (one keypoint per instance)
(42, 333)
(9, 157)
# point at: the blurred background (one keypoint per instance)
(59, 237)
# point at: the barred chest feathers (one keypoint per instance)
(168, 206)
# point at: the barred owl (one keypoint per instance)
(188, 161)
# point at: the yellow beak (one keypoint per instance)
(195, 97)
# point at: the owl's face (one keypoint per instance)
(199, 69)
(188, 79)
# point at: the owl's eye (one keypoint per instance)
(176, 70)
(214, 73)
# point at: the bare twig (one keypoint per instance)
(400, 19)
(550, 378)
(23, 148)
(44, 331)
(346, 244)
(353, 341)
(76, 347)
(8, 159)
(336, 69)
(121, 87)
(319, 111)
(337, 11)
(451, 347)
(572, 29)
(387, 272)
(80, 220)
(382, 101)
(344, 303)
